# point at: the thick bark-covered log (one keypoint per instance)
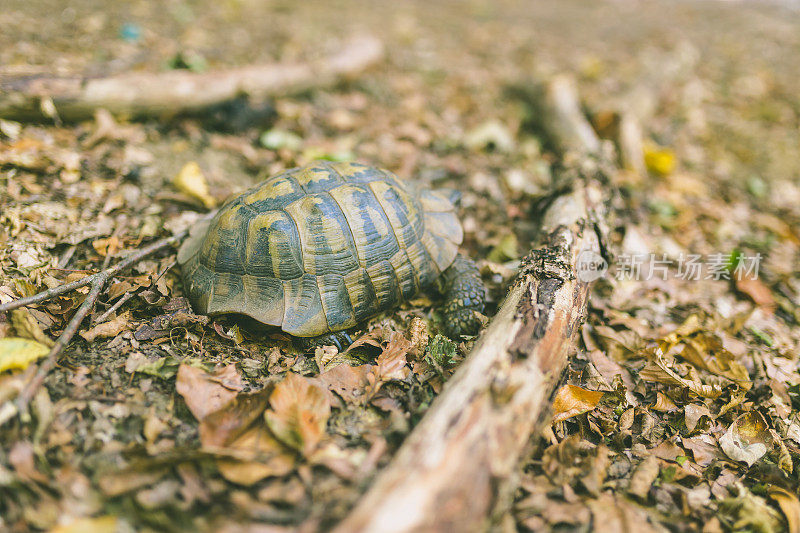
(178, 91)
(451, 472)
(446, 474)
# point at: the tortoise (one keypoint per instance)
(320, 249)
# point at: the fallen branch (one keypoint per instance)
(96, 282)
(179, 91)
(450, 472)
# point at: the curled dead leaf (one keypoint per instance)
(392, 363)
(112, 328)
(349, 382)
(206, 393)
(643, 477)
(572, 400)
(664, 403)
(299, 412)
(747, 439)
(109, 246)
(191, 181)
(693, 412)
(255, 455)
(657, 369)
(26, 325)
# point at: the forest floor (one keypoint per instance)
(679, 410)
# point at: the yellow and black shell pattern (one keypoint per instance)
(320, 249)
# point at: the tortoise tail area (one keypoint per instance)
(465, 296)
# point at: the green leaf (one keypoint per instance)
(441, 353)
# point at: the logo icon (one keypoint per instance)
(590, 266)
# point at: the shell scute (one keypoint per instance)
(273, 246)
(303, 314)
(325, 238)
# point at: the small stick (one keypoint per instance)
(143, 94)
(97, 282)
(88, 280)
(128, 295)
(119, 303)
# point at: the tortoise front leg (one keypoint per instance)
(465, 296)
(341, 339)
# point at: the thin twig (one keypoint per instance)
(130, 294)
(49, 293)
(88, 280)
(119, 303)
(65, 258)
(97, 282)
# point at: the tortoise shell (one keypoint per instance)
(320, 249)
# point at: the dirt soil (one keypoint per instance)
(680, 407)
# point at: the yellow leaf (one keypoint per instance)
(659, 161)
(572, 400)
(790, 506)
(16, 353)
(191, 180)
(100, 524)
(109, 246)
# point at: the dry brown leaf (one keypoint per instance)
(220, 428)
(112, 328)
(706, 352)
(257, 455)
(693, 412)
(620, 345)
(116, 483)
(704, 449)
(392, 363)
(614, 514)
(298, 414)
(668, 451)
(658, 370)
(370, 338)
(572, 400)
(349, 382)
(235, 430)
(610, 369)
(109, 246)
(747, 439)
(643, 477)
(206, 393)
(418, 332)
(664, 403)
(26, 326)
(757, 291)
